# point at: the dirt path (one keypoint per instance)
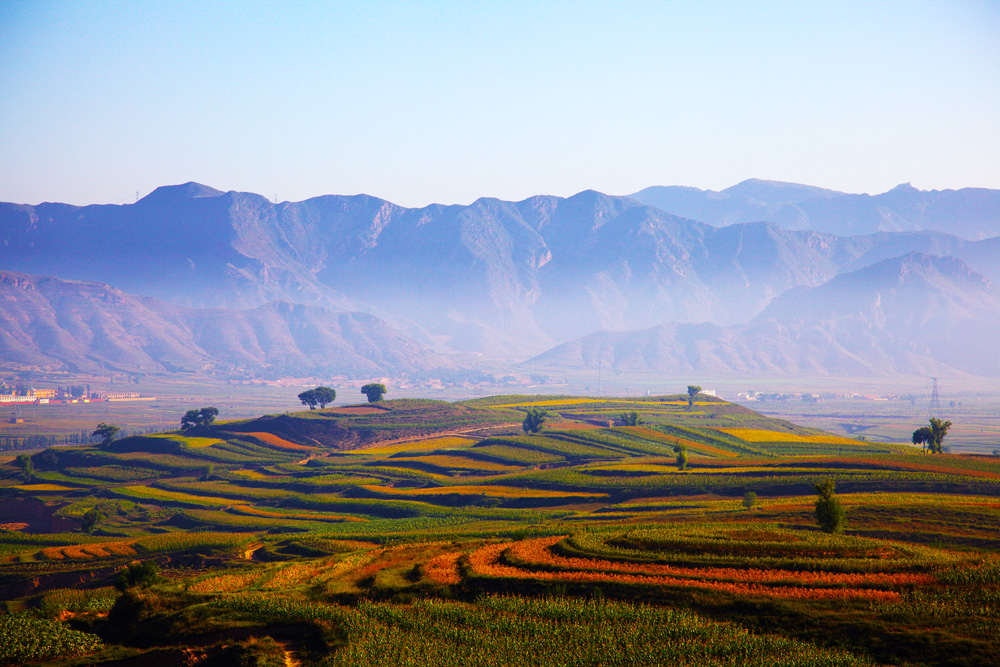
(290, 660)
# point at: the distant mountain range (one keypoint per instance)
(914, 314)
(499, 279)
(90, 327)
(970, 213)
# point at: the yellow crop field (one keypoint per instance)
(760, 435)
(446, 442)
(553, 403)
(226, 583)
(160, 494)
(562, 402)
(499, 491)
(42, 487)
(306, 516)
(250, 474)
(192, 442)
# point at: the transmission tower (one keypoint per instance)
(935, 400)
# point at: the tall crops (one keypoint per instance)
(26, 638)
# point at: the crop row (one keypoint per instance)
(489, 562)
(514, 631)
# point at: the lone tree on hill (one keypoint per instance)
(374, 391)
(195, 418)
(631, 418)
(143, 575)
(90, 520)
(23, 461)
(325, 395)
(829, 514)
(106, 432)
(308, 397)
(320, 396)
(693, 390)
(534, 421)
(682, 456)
(932, 435)
(749, 499)
(922, 436)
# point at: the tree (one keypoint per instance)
(631, 419)
(939, 429)
(749, 499)
(195, 418)
(327, 395)
(829, 514)
(320, 396)
(309, 398)
(138, 574)
(207, 471)
(682, 456)
(23, 462)
(374, 391)
(534, 420)
(106, 432)
(693, 390)
(922, 436)
(90, 520)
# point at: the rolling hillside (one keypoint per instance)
(422, 532)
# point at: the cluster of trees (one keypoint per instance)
(15, 442)
(199, 417)
(631, 419)
(321, 396)
(932, 436)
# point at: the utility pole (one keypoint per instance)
(600, 377)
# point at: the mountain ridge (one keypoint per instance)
(970, 213)
(80, 326)
(494, 278)
(906, 320)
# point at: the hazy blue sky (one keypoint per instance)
(449, 101)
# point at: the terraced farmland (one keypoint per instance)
(440, 533)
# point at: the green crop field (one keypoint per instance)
(432, 533)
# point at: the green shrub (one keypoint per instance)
(829, 514)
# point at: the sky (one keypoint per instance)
(445, 101)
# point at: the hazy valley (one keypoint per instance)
(225, 282)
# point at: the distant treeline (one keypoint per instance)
(16, 442)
